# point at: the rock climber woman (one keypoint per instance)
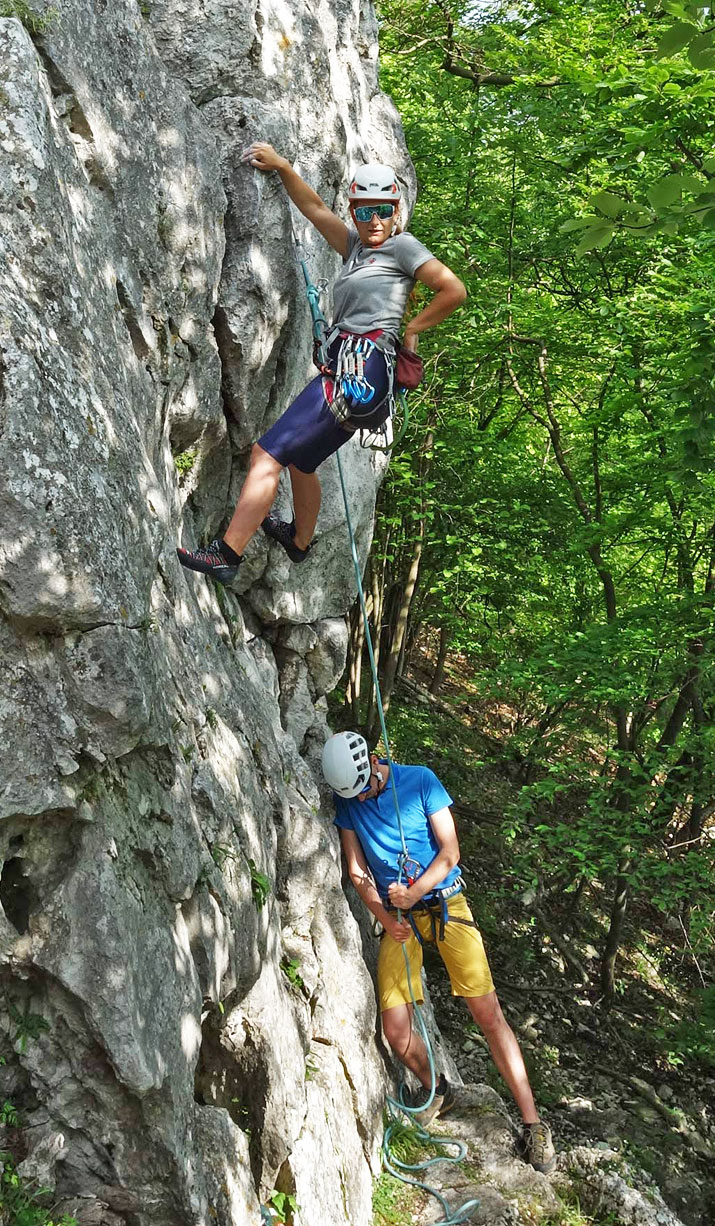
(380, 266)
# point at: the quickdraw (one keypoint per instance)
(350, 369)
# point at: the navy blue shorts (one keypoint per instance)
(307, 433)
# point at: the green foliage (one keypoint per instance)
(561, 471)
(291, 970)
(691, 1038)
(260, 885)
(393, 1203)
(34, 22)
(232, 621)
(285, 1206)
(221, 854)
(28, 1025)
(184, 462)
(8, 1115)
(570, 1213)
(24, 1204)
(406, 1144)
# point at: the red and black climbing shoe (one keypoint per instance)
(216, 560)
(443, 1101)
(280, 531)
(536, 1147)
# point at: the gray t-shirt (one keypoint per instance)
(372, 290)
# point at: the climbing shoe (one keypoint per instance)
(216, 560)
(536, 1147)
(443, 1101)
(280, 531)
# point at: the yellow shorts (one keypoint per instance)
(462, 952)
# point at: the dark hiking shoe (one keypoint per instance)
(536, 1147)
(443, 1101)
(210, 561)
(280, 531)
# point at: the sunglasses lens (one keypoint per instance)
(364, 212)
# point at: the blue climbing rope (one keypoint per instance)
(396, 1106)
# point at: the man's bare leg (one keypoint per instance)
(306, 504)
(407, 1045)
(256, 499)
(505, 1051)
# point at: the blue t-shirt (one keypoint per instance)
(420, 794)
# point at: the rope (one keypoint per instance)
(396, 1106)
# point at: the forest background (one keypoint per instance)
(544, 561)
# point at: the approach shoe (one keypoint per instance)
(443, 1101)
(210, 561)
(536, 1147)
(280, 531)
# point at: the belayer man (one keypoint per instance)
(432, 904)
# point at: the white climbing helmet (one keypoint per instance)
(374, 182)
(346, 763)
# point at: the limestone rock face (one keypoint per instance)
(186, 1017)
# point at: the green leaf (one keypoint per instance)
(596, 237)
(674, 39)
(709, 219)
(665, 193)
(608, 203)
(701, 51)
(578, 223)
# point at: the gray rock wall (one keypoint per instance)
(179, 1042)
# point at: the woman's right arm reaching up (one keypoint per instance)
(264, 157)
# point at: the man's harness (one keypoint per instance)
(435, 905)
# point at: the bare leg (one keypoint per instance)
(406, 1044)
(256, 499)
(505, 1050)
(306, 504)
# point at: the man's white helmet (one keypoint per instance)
(346, 763)
(374, 182)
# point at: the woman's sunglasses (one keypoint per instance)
(364, 212)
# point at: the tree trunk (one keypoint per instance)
(377, 581)
(615, 932)
(390, 669)
(356, 665)
(445, 638)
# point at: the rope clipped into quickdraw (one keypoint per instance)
(320, 323)
(350, 375)
(405, 862)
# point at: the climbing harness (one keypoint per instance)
(435, 904)
(396, 1107)
(347, 383)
